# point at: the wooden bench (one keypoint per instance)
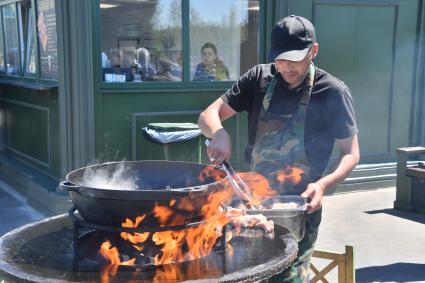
(344, 262)
(410, 195)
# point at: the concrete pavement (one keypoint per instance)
(389, 245)
(14, 211)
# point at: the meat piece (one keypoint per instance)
(239, 218)
(284, 205)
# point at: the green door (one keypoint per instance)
(370, 45)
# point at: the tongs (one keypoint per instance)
(241, 188)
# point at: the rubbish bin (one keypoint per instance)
(174, 141)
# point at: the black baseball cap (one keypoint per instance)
(291, 39)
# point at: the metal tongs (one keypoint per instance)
(241, 188)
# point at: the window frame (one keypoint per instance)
(31, 28)
(5, 74)
(183, 85)
(23, 76)
(2, 69)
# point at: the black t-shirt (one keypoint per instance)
(330, 113)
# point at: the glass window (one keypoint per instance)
(47, 39)
(30, 52)
(141, 40)
(11, 37)
(223, 38)
(1, 48)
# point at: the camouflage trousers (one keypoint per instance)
(298, 272)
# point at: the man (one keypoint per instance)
(296, 113)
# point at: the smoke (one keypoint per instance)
(121, 178)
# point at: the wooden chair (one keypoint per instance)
(344, 262)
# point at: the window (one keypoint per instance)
(142, 40)
(47, 39)
(223, 38)
(23, 27)
(11, 38)
(30, 52)
(1, 48)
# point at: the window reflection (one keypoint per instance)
(29, 51)
(230, 28)
(141, 40)
(1, 49)
(11, 37)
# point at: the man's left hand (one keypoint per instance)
(314, 195)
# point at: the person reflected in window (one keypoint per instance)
(211, 68)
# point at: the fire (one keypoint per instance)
(175, 246)
(137, 238)
(259, 185)
(194, 242)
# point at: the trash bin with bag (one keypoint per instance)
(174, 141)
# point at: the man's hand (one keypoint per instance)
(314, 194)
(209, 122)
(220, 147)
(349, 152)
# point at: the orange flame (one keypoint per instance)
(191, 243)
(137, 238)
(259, 186)
(111, 253)
(176, 246)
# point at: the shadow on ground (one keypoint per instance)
(396, 272)
(412, 216)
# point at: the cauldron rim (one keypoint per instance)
(71, 185)
(11, 243)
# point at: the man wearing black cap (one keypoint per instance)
(296, 113)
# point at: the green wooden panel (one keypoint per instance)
(361, 54)
(405, 64)
(32, 127)
(370, 45)
(27, 126)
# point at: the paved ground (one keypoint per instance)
(389, 245)
(14, 211)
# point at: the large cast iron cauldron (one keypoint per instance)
(157, 182)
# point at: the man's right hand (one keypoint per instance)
(220, 148)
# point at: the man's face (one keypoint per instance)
(294, 72)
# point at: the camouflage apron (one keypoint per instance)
(279, 155)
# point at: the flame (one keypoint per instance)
(175, 246)
(137, 238)
(112, 255)
(195, 242)
(259, 186)
(291, 174)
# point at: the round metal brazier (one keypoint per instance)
(158, 183)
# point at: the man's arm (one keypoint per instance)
(350, 156)
(209, 121)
